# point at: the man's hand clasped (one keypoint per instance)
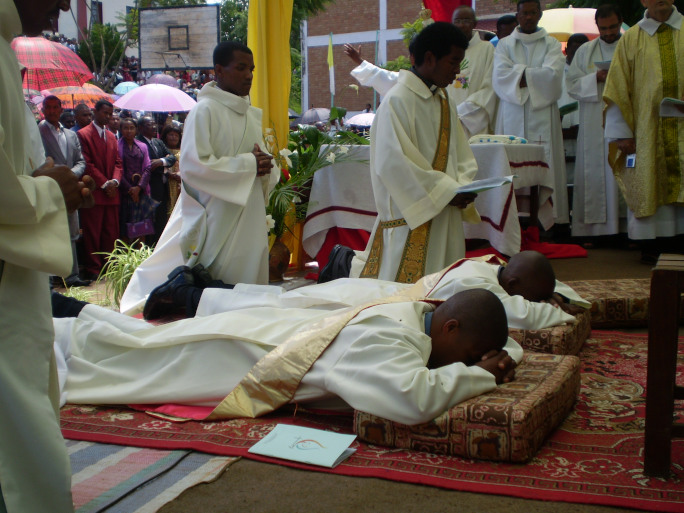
(77, 193)
(463, 199)
(264, 161)
(500, 364)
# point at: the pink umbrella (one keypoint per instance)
(156, 98)
(162, 78)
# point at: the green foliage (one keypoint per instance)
(103, 47)
(170, 3)
(401, 62)
(81, 293)
(119, 267)
(337, 113)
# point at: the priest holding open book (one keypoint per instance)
(419, 158)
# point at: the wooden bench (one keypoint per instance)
(667, 285)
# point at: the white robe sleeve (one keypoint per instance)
(616, 126)
(370, 75)
(581, 85)
(386, 375)
(545, 84)
(506, 78)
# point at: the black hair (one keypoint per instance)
(52, 98)
(437, 38)
(223, 53)
(103, 103)
(171, 128)
(129, 120)
(521, 2)
(578, 39)
(506, 19)
(606, 10)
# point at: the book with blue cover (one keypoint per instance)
(305, 445)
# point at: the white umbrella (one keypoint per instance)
(125, 87)
(311, 116)
(156, 98)
(363, 119)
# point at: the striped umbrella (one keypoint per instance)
(49, 64)
(72, 95)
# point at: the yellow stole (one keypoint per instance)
(413, 258)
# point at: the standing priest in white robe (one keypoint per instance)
(528, 78)
(220, 219)
(472, 89)
(35, 197)
(419, 157)
(595, 209)
(646, 68)
(399, 358)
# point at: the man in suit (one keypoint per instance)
(161, 159)
(103, 164)
(65, 149)
(83, 116)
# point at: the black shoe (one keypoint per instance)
(163, 300)
(77, 282)
(339, 264)
(64, 306)
(202, 276)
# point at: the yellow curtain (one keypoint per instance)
(268, 36)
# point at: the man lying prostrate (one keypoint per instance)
(532, 297)
(401, 359)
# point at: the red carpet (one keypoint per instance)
(594, 458)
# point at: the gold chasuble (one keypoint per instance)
(412, 266)
(645, 69)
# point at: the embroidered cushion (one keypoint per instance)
(508, 424)
(564, 339)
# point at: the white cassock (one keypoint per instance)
(345, 292)
(377, 362)
(472, 90)
(596, 198)
(532, 112)
(569, 120)
(220, 218)
(34, 242)
(404, 139)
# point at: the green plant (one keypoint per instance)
(81, 293)
(119, 267)
(304, 156)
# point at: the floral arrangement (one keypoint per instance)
(463, 79)
(304, 156)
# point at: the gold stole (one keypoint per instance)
(669, 126)
(413, 258)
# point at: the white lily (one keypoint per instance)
(343, 150)
(330, 157)
(285, 153)
(270, 222)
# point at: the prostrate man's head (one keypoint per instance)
(83, 115)
(659, 10)
(464, 18)
(233, 67)
(466, 326)
(52, 110)
(608, 20)
(437, 52)
(103, 113)
(574, 42)
(39, 15)
(505, 25)
(529, 14)
(528, 274)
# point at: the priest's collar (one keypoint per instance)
(211, 90)
(428, 322)
(538, 34)
(432, 87)
(649, 25)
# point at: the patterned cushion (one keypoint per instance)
(617, 303)
(509, 423)
(564, 339)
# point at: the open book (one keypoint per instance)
(605, 65)
(305, 445)
(668, 108)
(485, 184)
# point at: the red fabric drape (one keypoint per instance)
(443, 9)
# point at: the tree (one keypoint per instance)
(102, 49)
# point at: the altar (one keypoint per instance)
(342, 208)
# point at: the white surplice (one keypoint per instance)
(596, 205)
(341, 293)
(404, 139)
(532, 112)
(377, 363)
(34, 242)
(472, 90)
(220, 218)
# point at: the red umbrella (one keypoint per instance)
(49, 64)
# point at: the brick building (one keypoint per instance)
(363, 22)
